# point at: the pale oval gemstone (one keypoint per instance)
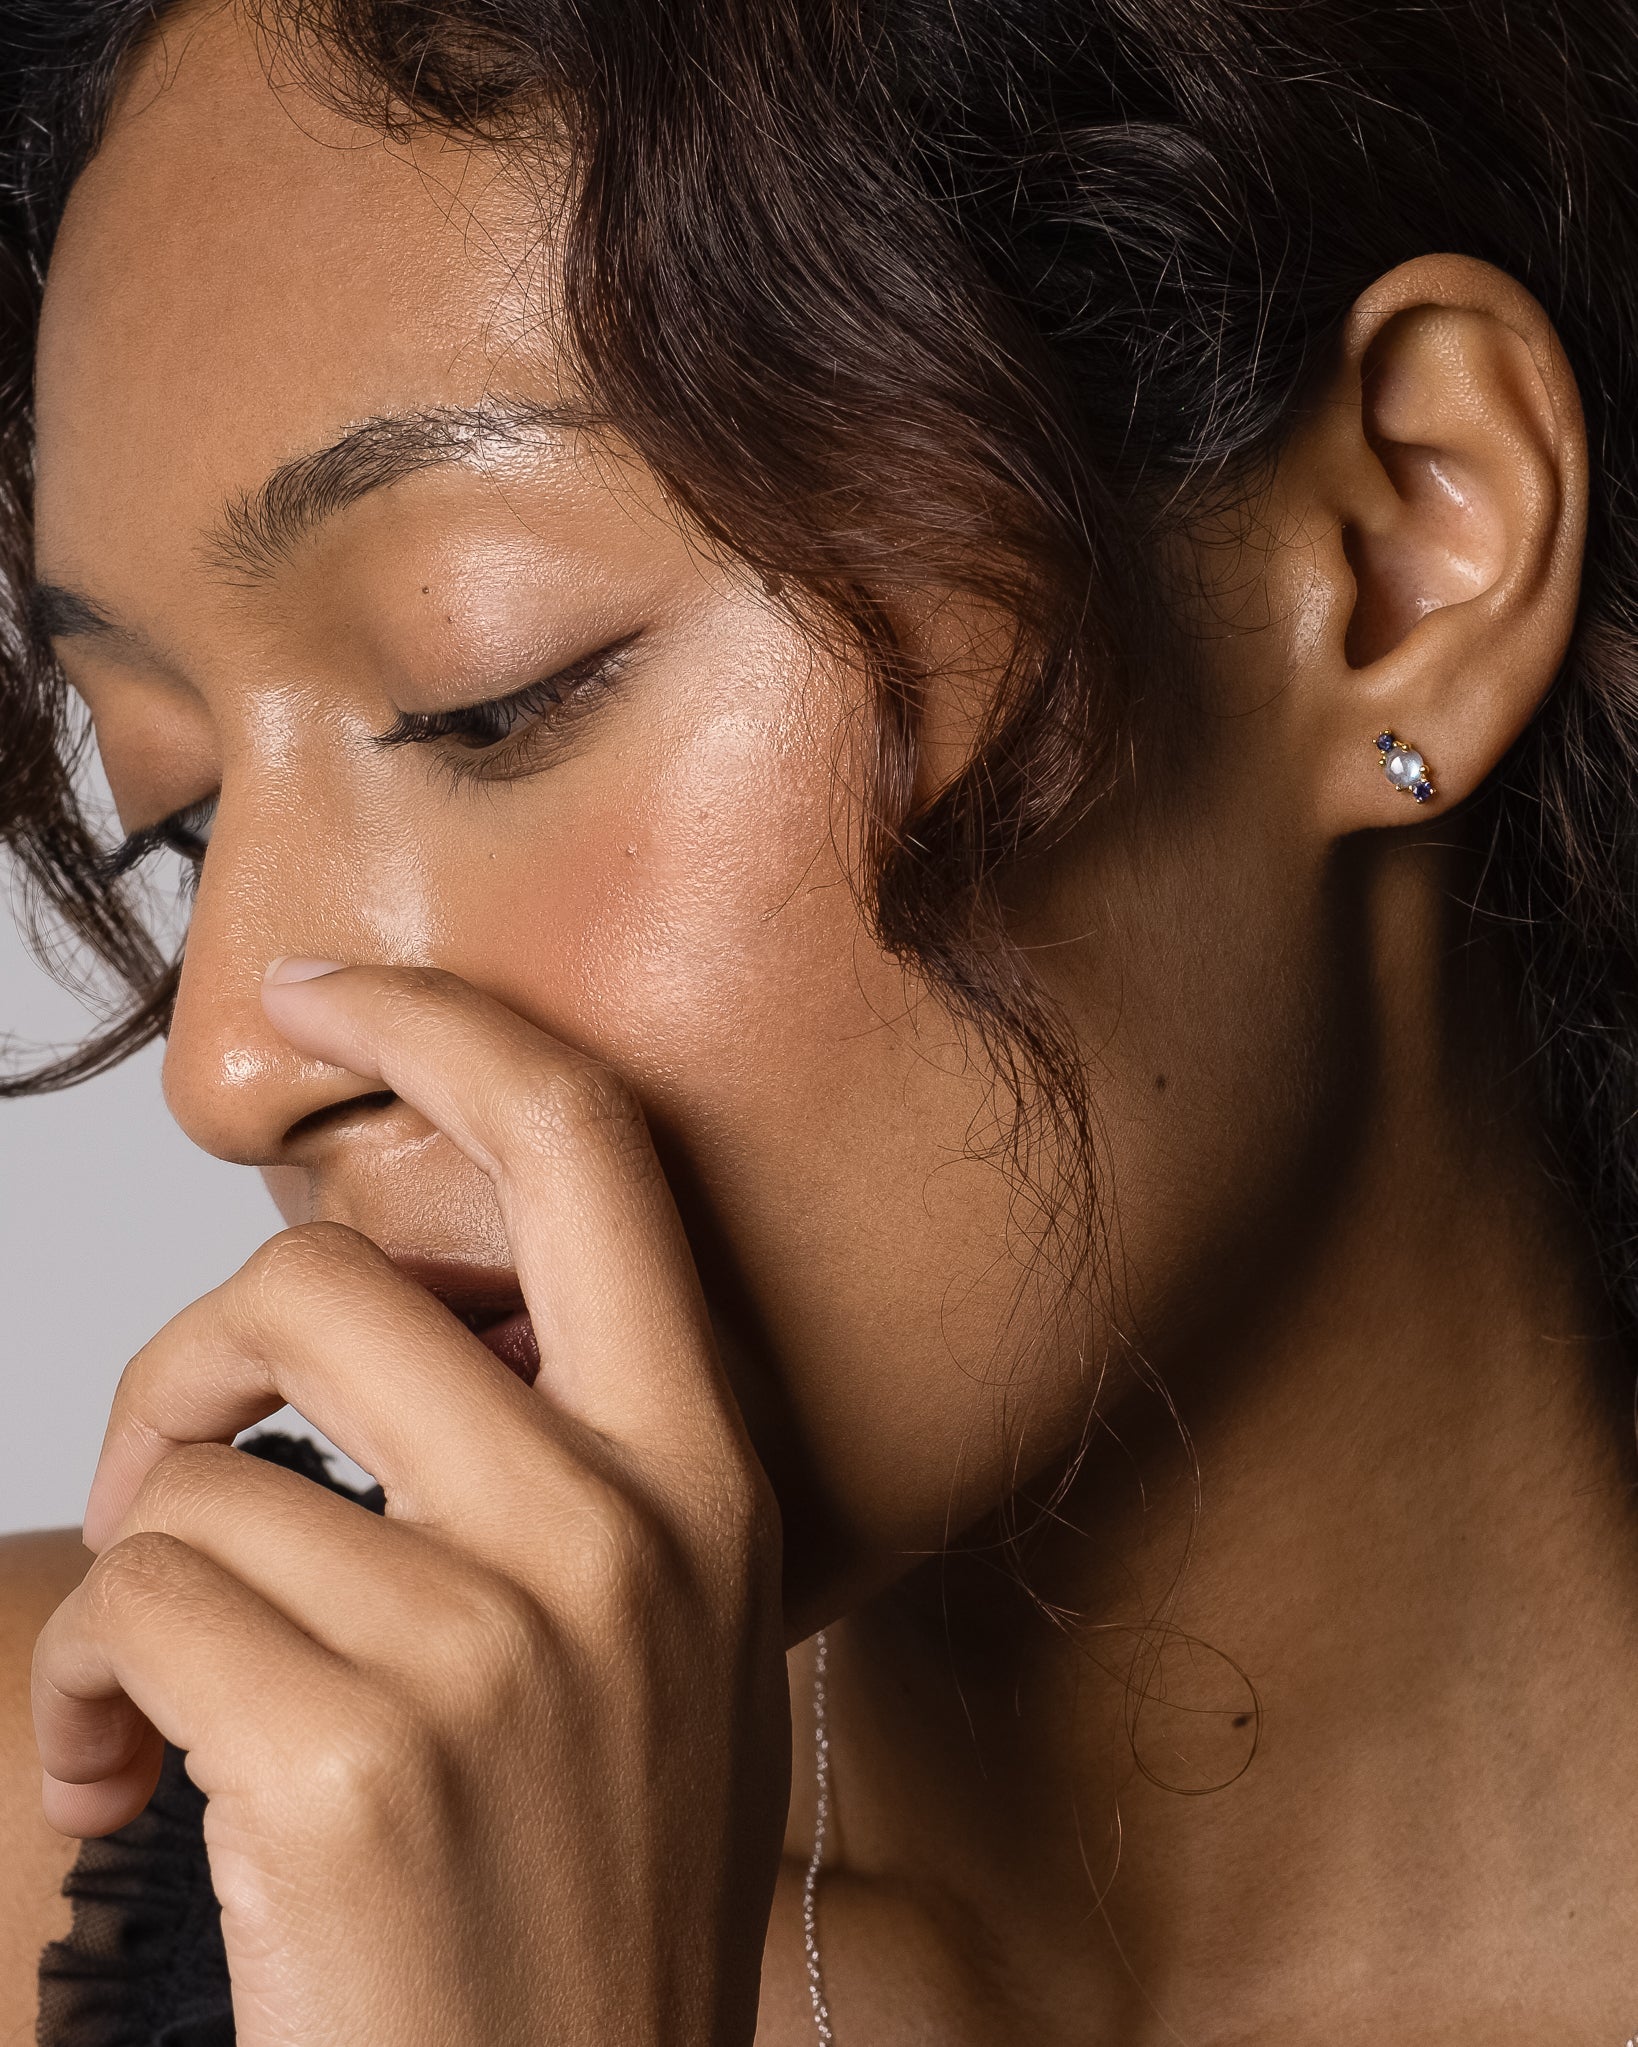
(1404, 767)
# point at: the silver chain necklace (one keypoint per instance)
(821, 1826)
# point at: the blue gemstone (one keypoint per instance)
(1423, 790)
(1386, 742)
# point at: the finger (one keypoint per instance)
(160, 1629)
(603, 1262)
(354, 1581)
(322, 1319)
(88, 1811)
(376, 1593)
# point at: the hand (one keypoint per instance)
(508, 1764)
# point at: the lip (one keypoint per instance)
(489, 1302)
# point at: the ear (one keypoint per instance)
(1437, 492)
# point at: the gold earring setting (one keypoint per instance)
(1404, 767)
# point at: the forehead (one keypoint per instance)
(242, 274)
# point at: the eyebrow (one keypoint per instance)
(55, 613)
(259, 528)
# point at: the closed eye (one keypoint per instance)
(498, 729)
(186, 832)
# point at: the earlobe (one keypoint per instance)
(1451, 453)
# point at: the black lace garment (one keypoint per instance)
(143, 1964)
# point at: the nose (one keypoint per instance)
(234, 1085)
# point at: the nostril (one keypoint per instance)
(340, 1112)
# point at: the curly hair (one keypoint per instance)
(993, 293)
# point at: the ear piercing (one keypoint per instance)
(1404, 767)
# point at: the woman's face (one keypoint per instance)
(304, 502)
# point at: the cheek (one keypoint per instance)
(685, 913)
(695, 925)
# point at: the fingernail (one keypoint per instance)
(279, 971)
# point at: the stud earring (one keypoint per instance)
(1404, 767)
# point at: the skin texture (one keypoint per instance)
(36, 1573)
(611, 1032)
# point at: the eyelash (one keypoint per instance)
(481, 729)
(186, 832)
(497, 733)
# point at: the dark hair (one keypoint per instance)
(989, 293)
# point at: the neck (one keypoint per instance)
(1316, 1718)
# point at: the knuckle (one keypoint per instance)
(366, 1768)
(493, 1654)
(745, 1518)
(627, 1563)
(567, 1109)
(133, 1570)
(137, 1398)
(308, 1248)
(296, 1261)
(185, 1481)
(727, 1500)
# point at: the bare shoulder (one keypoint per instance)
(36, 1572)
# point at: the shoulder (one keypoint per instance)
(36, 1573)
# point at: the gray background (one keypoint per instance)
(110, 1221)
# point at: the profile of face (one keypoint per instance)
(350, 588)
